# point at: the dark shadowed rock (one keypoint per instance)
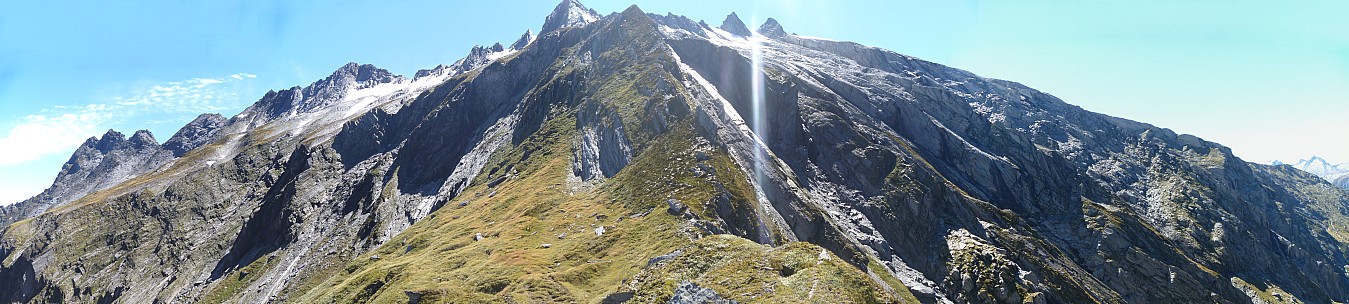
(734, 25)
(771, 28)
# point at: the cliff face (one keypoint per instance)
(1119, 210)
(639, 157)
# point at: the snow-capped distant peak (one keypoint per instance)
(1320, 167)
(569, 13)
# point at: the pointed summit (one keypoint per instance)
(322, 93)
(142, 139)
(734, 25)
(523, 41)
(363, 73)
(110, 140)
(569, 13)
(440, 68)
(771, 28)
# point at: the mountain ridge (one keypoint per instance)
(925, 182)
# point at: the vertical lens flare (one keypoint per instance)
(757, 99)
(759, 128)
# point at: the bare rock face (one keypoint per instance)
(772, 28)
(200, 131)
(569, 13)
(862, 132)
(523, 41)
(734, 25)
(318, 95)
(603, 147)
(690, 293)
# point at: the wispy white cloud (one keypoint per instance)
(191, 96)
(60, 129)
(39, 135)
(241, 76)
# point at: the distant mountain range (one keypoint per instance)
(1337, 174)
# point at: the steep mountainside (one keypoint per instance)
(656, 159)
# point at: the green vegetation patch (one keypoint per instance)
(749, 272)
(236, 281)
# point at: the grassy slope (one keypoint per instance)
(746, 271)
(441, 258)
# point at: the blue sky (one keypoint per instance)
(1269, 79)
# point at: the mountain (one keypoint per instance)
(99, 163)
(1335, 174)
(643, 158)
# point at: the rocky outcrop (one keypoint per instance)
(602, 148)
(734, 25)
(569, 13)
(200, 131)
(269, 227)
(318, 95)
(523, 41)
(771, 28)
(690, 293)
(480, 56)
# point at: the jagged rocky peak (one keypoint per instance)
(523, 41)
(142, 139)
(432, 71)
(734, 25)
(110, 140)
(480, 56)
(200, 131)
(477, 56)
(679, 22)
(569, 13)
(99, 163)
(771, 28)
(364, 75)
(323, 93)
